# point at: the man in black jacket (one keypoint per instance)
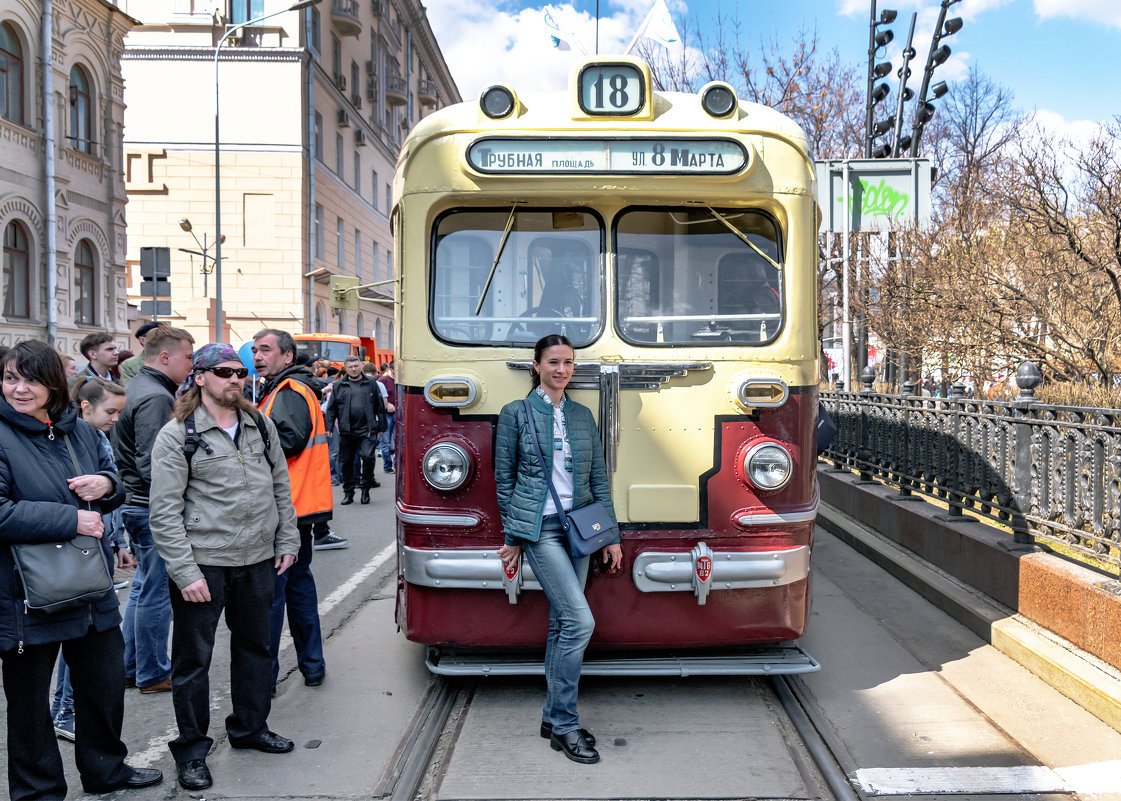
(148, 402)
(357, 406)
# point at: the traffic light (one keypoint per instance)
(937, 56)
(155, 270)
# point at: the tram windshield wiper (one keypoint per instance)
(497, 257)
(743, 237)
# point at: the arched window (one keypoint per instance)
(360, 325)
(17, 272)
(11, 75)
(81, 111)
(377, 332)
(84, 291)
(320, 313)
(389, 340)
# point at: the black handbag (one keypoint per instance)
(588, 527)
(62, 575)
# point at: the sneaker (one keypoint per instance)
(120, 585)
(388, 470)
(64, 724)
(329, 542)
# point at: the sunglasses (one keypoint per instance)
(229, 372)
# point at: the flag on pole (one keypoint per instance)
(554, 30)
(658, 25)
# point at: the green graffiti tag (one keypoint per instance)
(882, 200)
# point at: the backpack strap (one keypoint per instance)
(264, 429)
(193, 441)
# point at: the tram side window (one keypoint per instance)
(547, 279)
(684, 277)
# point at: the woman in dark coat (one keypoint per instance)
(45, 498)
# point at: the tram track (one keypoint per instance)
(422, 758)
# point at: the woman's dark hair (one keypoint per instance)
(37, 361)
(94, 390)
(543, 344)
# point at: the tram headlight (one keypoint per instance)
(767, 466)
(446, 466)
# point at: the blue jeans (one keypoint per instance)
(295, 588)
(63, 689)
(570, 622)
(147, 617)
(385, 441)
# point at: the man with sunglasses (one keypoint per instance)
(223, 520)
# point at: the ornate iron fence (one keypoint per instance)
(1052, 472)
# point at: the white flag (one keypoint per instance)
(658, 26)
(554, 30)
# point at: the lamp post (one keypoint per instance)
(218, 238)
(185, 224)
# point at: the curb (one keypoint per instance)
(1076, 674)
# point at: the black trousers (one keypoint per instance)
(245, 594)
(97, 671)
(349, 446)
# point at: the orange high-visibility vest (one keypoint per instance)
(310, 469)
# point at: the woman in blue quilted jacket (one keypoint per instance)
(532, 524)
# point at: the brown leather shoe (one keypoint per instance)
(159, 687)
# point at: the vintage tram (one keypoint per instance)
(672, 238)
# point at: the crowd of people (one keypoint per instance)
(163, 458)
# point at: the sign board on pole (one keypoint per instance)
(884, 194)
(155, 262)
(155, 308)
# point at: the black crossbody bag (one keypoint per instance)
(62, 575)
(589, 527)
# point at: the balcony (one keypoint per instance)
(396, 90)
(427, 93)
(344, 16)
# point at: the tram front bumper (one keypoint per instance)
(700, 571)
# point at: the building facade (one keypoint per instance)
(314, 104)
(62, 192)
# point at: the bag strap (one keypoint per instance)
(544, 468)
(77, 464)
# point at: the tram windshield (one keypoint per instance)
(697, 275)
(511, 275)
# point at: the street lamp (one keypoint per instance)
(936, 56)
(876, 41)
(218, 321)
(185, 224)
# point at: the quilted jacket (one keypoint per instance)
(522, 489)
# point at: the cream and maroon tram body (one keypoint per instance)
(672, 238)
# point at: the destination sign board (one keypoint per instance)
(653, 156)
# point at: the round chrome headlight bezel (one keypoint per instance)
(446, 466)
(762, 461)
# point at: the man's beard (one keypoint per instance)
(227, 399)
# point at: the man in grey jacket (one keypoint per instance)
(222, 517)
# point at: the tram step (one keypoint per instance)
(771, 660)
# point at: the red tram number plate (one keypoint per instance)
(511, 571)
(704, 568)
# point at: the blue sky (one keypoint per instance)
(1060, 58)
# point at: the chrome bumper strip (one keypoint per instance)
(806, 515)
(418, 517)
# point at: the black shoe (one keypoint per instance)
(547, 732)
(314, 681)
(137, 778)
(348, 498)
(374, 482)
(194, 775)
(268, 742)
(365, 496)
(575, 747)
(389, 470)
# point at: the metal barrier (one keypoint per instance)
(1052, 472)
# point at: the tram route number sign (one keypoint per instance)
(661, 156)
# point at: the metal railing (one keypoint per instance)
(1052, 472)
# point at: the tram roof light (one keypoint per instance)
(718, 99)
(887, 16)
(939, 89)
(882, 70)
(883, 38)
(883, 126)
(497, 102)
(952, 26)
(940, 55)
(880, 92)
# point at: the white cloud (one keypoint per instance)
(487, 42)
(1107, 12)
(1078, 132)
